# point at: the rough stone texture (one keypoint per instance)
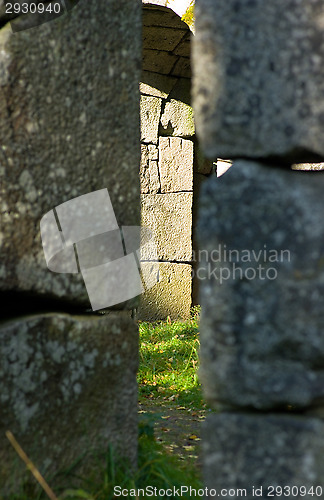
(182, 68)
(66, 112)
(243, 451)
(175, 164)
(68, 386)
(149, 172)
(171, 296)
(262, 339)
(169, 217)
(158, 61)
(177, 119)
(261, 94)
(150, 118)
(183, 49)
(162, 38)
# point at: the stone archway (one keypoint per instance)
(171, 166)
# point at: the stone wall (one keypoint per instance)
(259, 99)
(171, 165)
(167, 193)
(69, 97)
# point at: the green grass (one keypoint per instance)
(169, 361)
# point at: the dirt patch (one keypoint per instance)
(178, 428)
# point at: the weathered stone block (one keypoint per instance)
(158, 61)
(153, 152)
(169, 217)
(256, 453)
(261, 287)
(65, 133)
(68, 386)
(259, 79)
(175, 164)
(184, 48)
(150, 118)
(171, 296)
(177, 119)
(149, 173)
(182, 68)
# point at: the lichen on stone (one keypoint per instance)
(189, 16)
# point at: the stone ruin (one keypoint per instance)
(69, 99)
(167, 159)
(170, 169)
(172, 164)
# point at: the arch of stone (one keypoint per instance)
(172, 164)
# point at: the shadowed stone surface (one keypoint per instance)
(162, 38)
(246, 451)
(262, 289)
(261, 93)
(202, 164)
(156, 85)
(69, 101)
(68, 386)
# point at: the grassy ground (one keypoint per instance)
(169, 389)
(171, 410)
(168, 362)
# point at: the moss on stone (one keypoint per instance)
(189, 16)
